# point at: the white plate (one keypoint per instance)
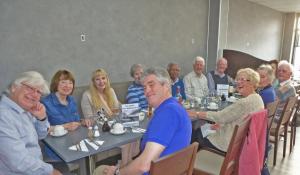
(231, 100)
(117, 133)
(58, 135)
(210, 108)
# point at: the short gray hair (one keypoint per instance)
(32, 78)
(199, 58)
(286, 63)
(268, 69)
(171, 64)
(161, 74)
(133, 68)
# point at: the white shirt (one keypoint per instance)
(195, 86)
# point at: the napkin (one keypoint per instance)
(83, 147)
(206, 130)
(138, 130)
(93, 144)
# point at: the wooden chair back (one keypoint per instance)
(287, 112)
(178, 163)
(231, 161)
(271, 107)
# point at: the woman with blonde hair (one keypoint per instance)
(247, 81)
(99, 96)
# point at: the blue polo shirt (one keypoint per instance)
(170, 126)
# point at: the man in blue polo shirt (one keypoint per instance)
(169, 129)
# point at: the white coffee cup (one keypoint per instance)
(59, 130)
(118, 128)
(213, 105)
(141, 116)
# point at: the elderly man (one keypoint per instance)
(177, 83)
(135, 93)
(284, 89)
(22, 122)
(169, 129)
(218, 76)
(195, 82)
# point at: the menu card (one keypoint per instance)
(222, 89)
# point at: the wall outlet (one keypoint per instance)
(82, 37)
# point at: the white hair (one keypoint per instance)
(199, 58)
(286, 63)
(32, 78)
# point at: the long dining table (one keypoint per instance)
(60, 145)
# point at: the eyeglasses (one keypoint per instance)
(31, 89)
(241, 80)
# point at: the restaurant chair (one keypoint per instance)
(271, 107)
(281, 127)
(178, 163)
(292, 124)
(217, 164)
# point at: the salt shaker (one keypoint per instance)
(90, 133)
(96, 131)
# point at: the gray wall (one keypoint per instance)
(44, 35)
(254, 29)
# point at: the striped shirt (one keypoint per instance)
(135, 94)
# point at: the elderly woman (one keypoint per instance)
(99, 96)
(60, 106)
(265, 88)
(247, 82)
(135, 92)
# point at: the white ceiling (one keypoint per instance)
(280, 5)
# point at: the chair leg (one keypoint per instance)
(295, 131)
(275, 150)
(291, 138)
(285, 139)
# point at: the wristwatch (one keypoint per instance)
(42, 119)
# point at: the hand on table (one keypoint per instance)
(87, 122)
(71, 126)
(109, 170)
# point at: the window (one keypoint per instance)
(296, 55)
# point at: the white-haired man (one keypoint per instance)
(218, 76)
(22, 122)
(284, 89)
(195, 82)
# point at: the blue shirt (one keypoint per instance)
(20, 152)
(59, 114)
(268, 95)
(170, 127)
(179, 83)
(136, 94)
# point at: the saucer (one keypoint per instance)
(212, 108)
(117, 133)
(58, 135)
(231, 100)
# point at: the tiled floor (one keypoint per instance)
(290, 165)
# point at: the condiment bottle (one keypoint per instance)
(90, 133)
(105, 126)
